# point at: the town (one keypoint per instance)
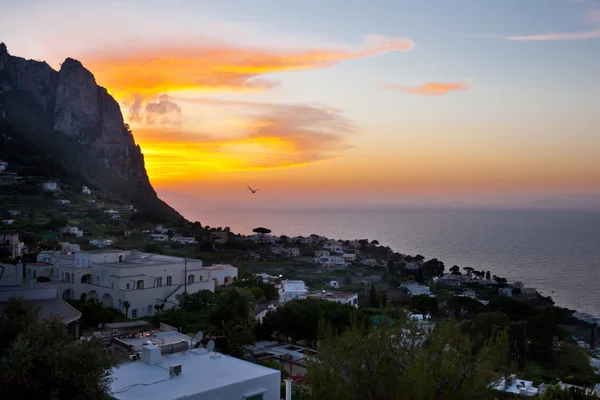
(156, 294)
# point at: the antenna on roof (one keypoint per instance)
(210, 346)
(198, 338)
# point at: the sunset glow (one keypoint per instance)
(343, 103)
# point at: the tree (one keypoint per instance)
(373, 297)
(233, 319)
(198, 301)
(262, 231)
(455, 270)
(40, 360)
(487, 275)
(159, 308)
(299, 319)
(257, 292)
(462, 307)
(126, 305)
(390, 362)
(423, 304)
(433, 267)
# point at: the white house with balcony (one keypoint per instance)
(291, 289)
(142, 279)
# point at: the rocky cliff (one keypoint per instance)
(52, 106)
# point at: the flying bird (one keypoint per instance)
(252, 190)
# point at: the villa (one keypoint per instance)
(142, 279)
(291, 289)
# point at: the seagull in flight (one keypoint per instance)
(252, 190)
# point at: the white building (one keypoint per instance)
(69, 247)
(201, 375)
(449, 279)
(416, 289)
(160, 237)
(63, 202)
(3, 166)
(334, 247)
(14, 213)
(290, 252)
(8, 221)
(51, 186)
(516, 386)
(369, 262)
(184, 240)
(265, 277)
(10, 245)
(505, 291)
(73, 230)
(143, 279)
(291, 289)
(102, 242)
(349, 256)
(338, 297)
(85, 190)
(322, 253)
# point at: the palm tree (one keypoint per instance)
(159, 307)
(126, 306)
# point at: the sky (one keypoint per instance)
(342, 101)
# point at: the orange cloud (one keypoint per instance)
(429, 89)
(147, 72)
(273, 136)
(558, 36)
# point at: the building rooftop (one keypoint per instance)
(329, 295)
(218, 266)
(201, 372)
(54, 307)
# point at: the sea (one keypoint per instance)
(555, 251)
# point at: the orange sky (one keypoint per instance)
(314, 107)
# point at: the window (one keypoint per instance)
(190, 278)
(120, 304)
(140, 284)
(34, 273)
(255, 397)
(112, 285)
(159, 281)
(169, 281)
(149, 308)
(201, 278)
(97, 280)
(127, 287)
(134, 313)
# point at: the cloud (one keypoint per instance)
(429, 89)
(558, 36)
(211, 66)
(162, 111)
(265, 136)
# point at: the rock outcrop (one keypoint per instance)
(71, 104)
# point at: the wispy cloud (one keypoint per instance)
(595, 33)
(163, 111)
(429, 89)
(210, 66)
(266, 136)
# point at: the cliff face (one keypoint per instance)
(71, 105)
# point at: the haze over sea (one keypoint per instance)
(555, 251)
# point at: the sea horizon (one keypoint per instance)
(554, 251)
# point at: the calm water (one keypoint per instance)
(557, 252)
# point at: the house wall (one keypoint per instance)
(242, 390)
(12, 275)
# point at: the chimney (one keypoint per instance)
(288, 389)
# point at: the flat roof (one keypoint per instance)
(329, 295)
(219, 266)
(201, 372)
